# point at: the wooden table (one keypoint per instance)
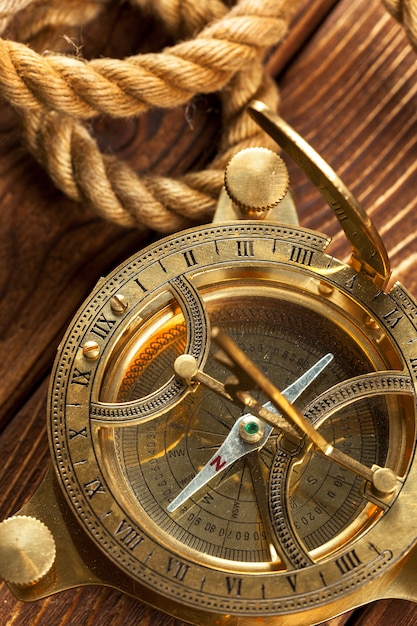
(348, 80)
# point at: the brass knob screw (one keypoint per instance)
(27, 550)
(256, 180)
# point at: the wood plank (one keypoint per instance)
(309, 17)
(352, 95)
(350, 91)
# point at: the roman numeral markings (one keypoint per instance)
(73, 434)
(128, 535)
(234, 585)
(177, 569)
(393, 317)
(348, 562)
(103, 326)
(80, 378)
(350, 284)
(292, 579)
(139, 284)
(93, 487)
(245, 248)
(189, 258)
(301, 255)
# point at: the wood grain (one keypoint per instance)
(348, 85)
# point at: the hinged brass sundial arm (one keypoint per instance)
(368, 251)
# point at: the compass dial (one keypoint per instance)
(158, 458)
(128, 434)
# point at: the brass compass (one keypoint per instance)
(232, 418)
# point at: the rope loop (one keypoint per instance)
(218, 49)
(221, 51)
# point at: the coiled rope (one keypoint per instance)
(221, 50)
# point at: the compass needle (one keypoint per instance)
(237, 444)
(383, 480)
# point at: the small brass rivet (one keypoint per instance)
(325, 289)
(185, 366)
(384, 481)
(371, 323)
(118, 304)
(91, 350)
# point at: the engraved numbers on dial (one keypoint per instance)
(260, 282)
(158, 458)
(312, 499)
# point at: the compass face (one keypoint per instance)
(274, 529)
